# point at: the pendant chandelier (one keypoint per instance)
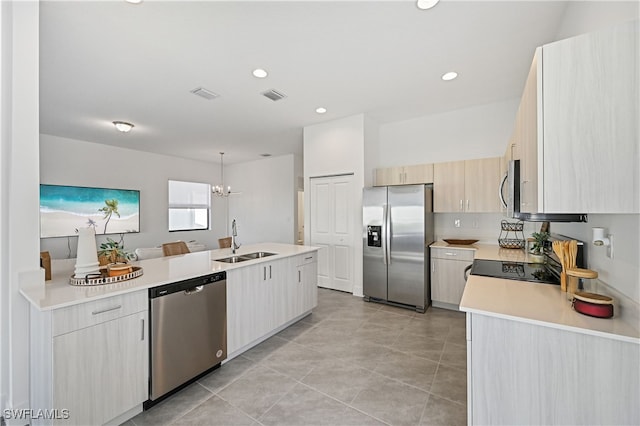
(220, 190)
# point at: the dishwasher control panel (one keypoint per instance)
(191, 283)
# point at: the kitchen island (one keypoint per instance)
(532, 359)
(90, 344)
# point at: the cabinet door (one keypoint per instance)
(448, 187)
(308, 287)
(100, 372)
(389, 176)
(246, 306)
(528, 132)
(482, 179)
(447, 280)
(421, 173)
(591, 109)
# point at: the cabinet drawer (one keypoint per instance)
(306, 258)
(452, 253)
(87, 314)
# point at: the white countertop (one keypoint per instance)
(533, 303)
(58, 293)
(540, 304)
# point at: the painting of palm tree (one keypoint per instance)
(110, 208)
(63, 209)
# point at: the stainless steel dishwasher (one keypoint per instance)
(188, 332)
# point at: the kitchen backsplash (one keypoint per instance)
(482, 226)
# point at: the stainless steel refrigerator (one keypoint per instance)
(397, 230)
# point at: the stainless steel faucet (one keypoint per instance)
(234, 234)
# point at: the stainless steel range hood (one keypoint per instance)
(551, 217)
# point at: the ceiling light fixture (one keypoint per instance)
(134, 1)
(321, 110)
(260, 73)
(449, 76)
(123, 126)
(219, 190)
(426, 4)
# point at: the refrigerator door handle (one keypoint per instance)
(385, 225)
(387, 243)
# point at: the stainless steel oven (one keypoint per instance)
(188, 332)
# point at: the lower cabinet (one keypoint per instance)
(264, 297)
(447, 275)
(93, 359)
(307, 282)
(522, 373)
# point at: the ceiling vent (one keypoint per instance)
(274, 95)
(204, 93)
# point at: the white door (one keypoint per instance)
(332, 229)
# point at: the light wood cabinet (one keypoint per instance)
(526, 145)
(591, 108)
(447, 275)
(521, 373)
(467, 186)
(576, 128)
(404, 175)
(306, 282)
(263, 298)
(246, 306)
(92, 359)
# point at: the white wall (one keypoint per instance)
(71, 162)
(371, 151)
(581, 17)
(19, 258)
(264, 206)
(622, 272)
(475, 132)
(337, 148)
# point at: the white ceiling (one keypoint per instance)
(105, 61)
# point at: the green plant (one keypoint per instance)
(113, 251)
(539, 243)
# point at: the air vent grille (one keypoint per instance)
(274, 95)
(204, 93)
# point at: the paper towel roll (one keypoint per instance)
(87, 260)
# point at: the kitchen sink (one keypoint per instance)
(244, 257)
(234, 259)
(258, 255)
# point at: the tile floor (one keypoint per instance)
(348, 363)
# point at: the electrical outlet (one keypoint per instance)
(456, 223)
(475, 223)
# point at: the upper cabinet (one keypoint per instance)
(467, 186)
(576, 129)
(404, 175)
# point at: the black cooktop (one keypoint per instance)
(532, 272)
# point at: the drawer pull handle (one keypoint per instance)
(451, 254)
(106, 310)
(308, 258)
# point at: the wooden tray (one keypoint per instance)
(104, 278)
(459, 242)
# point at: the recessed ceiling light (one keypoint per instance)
(426, 4)
(321, 110)
(449, 76)
(123, 126)
(134, 1)
(260, 73)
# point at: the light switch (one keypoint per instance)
(456, 223)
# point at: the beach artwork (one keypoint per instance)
(63, 209)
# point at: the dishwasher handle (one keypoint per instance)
(193, 290)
